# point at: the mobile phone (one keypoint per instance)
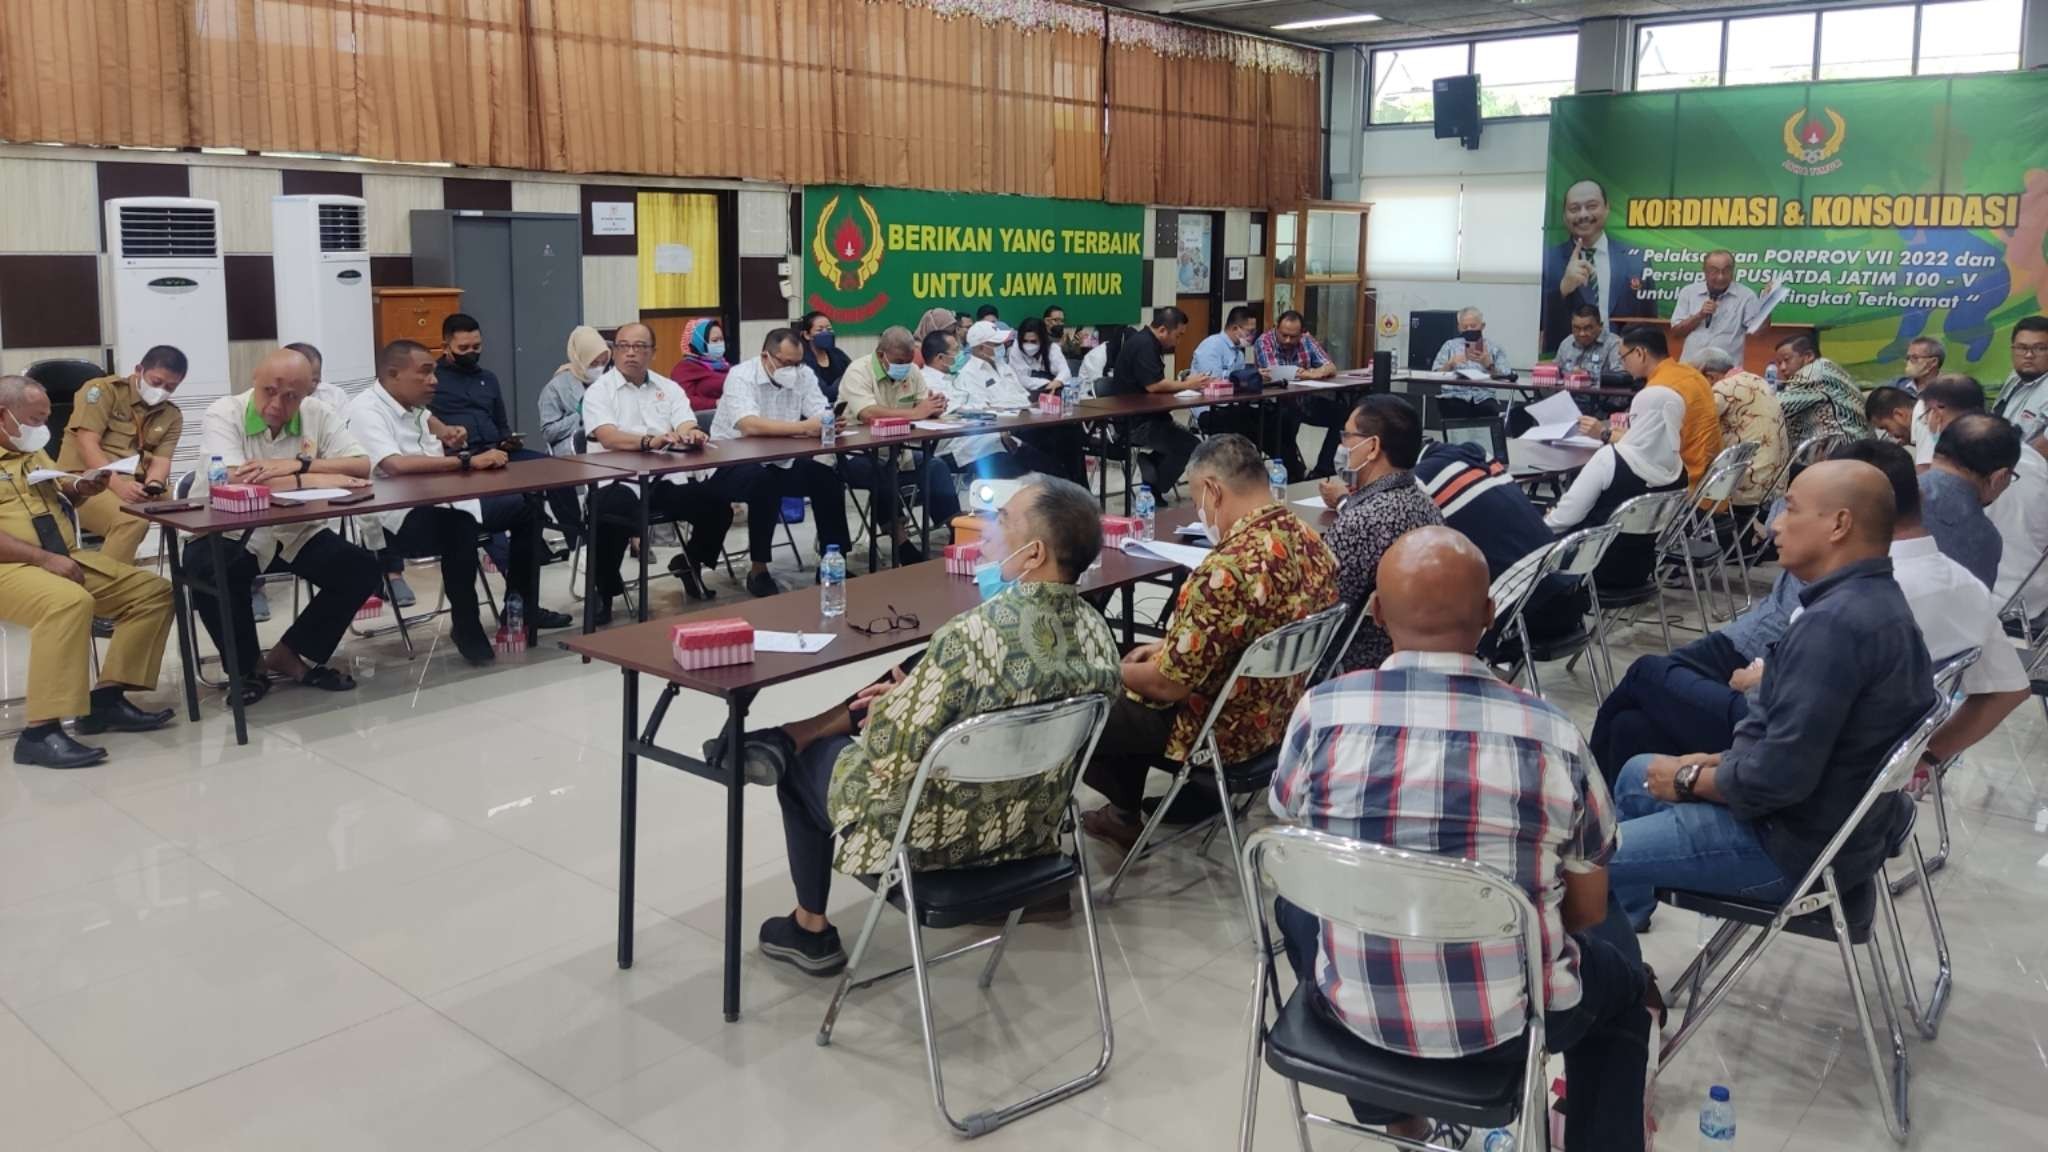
(355, 497)
(162, 506)
(513, 442)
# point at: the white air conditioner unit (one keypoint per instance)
(321, 258)
(170, 287)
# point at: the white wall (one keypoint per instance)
(1510, 154)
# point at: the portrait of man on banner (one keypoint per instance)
(1589, 267)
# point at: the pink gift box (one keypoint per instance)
(1049, 402)
(371, 609)
(239, 497)
(1217, 390)
(712, 643)
(961, 558)
(1546, 372)
(1117, 529)
(889, 426)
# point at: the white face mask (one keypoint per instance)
(151, 394)
(32, 437)
(787, 377)
(1205, 523)
(1029, 349)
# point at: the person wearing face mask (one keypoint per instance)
(776, 394)
(984, 456)
(1035, 355)
(467, 397)
(1470, 348)
(1058, 335)
(846, 772)
(887, 384)
(821, 353)
(701, 371)
(988, 382)
(54, 591)
(561, 402)
(1377, 503)
(1226, 352)
(116, 417)
(1266, 569)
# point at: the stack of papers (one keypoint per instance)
(801, 643)
(306, 495)
(1326, 382)
(1184, 555)
(1557, 422)
(1284, 373)
(938, 425)
(1471, 372)
(124, 467)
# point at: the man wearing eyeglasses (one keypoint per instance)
(632, 408)
(848, 770)
(777, 394)
(2023, 399)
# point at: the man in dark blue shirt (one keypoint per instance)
(1973, 465)
(467, 396)
(1848, 679)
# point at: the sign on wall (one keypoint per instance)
(1888, 209)
(882, 256)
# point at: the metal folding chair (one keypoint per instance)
(1288, 651)
(1947, 681)
(1332, 663)
(1374, 890)
(1694, 542)
(1655, 515)
(1050, 741)
(1850, 915)
(1574, 557)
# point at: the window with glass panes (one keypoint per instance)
(1940, 37)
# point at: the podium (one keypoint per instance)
(1758, 348)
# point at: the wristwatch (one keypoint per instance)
(153, 488)
(1687, 777)
(464, 456)
(305, 463)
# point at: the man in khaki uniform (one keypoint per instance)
(113, 418)
(888, 384)
(55, 591)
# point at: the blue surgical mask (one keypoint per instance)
(989, 577)
(898, 371)
(823, 341)
(715, 349)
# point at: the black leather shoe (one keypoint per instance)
(602, 614)
(546, 619)
(123, 716)
(475, 646)
(762, 584)
(56, 750)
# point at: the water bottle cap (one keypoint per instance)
(1144, 487)
(1718, 1093)
(831, 549)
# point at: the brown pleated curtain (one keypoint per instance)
(903, 93)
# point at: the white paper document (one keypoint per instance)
(1185, 555)
(1772, 297)
(306, 495)
(1440, 377)
(1471, 372)
(1326, 382)
(1283, 373)
(1189, 393)
(938, 425)
(801, 643)
(125, 466)
(1556, 408)
(1315, 502)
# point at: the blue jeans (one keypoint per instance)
(1700, 847)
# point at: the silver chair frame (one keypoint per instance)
(1576, 555)
(1395, 894)
(1709, 499)
(1816, 891)
(1025, 750)
(1652, 514)
(1293, 649)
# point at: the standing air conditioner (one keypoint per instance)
(170, 287)
(321, 259)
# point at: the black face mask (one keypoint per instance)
(465, 360)
(1055, 331)
(1474, 337)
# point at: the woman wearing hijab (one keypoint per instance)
(561, 416)
(701, 371)
(822, 354)
(933, 320)
(1645, 459)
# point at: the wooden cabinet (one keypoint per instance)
(414, 314)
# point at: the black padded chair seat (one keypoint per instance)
(951, 897)
(1242, 777)
(1557, 648)
(1626, 597)
(1859, 906)
(1306, 1045)
(1702, 551)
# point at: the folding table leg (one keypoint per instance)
(230, 660)
(181, 609)
(735, 823)
(629, 809)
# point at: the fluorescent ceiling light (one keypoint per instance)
(1330, 22)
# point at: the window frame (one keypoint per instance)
(1820, 14)
(1471, 44)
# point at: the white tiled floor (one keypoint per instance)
(387, 923)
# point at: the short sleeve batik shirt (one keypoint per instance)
(1269, 571)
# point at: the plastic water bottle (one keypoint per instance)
(216, 473)
(828, 428)
(1771, 375)
(512, 625)
(1276, 477)
(1717, 1121)
(1147, 510)
(1499, 1140)
(1070, 397)
(832, 583)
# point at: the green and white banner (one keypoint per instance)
(881, 256)
(1888, 209)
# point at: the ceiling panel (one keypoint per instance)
(1416, 19)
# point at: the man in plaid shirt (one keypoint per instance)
(1432, 753)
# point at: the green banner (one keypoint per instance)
(1889, 209)
(881, 256)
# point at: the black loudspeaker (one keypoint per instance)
(1382, 372)
(1427, 332)
(1457, 108)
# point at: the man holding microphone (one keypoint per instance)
(1716, 307)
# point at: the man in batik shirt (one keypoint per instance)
(1817, 395)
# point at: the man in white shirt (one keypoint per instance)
(1470, 348)
(2021, 516)
(1715, 308)
(1941, 400)
(391, 421)
(984, 456)
(276, 435)
(777, 394)
(987, 383)
(632, 408)
(2023, 399)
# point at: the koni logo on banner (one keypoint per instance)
(883, 256)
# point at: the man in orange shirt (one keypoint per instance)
(1647, 357)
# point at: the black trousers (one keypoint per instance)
(1132, 741)
(615, 509)
(1058, 452)
(761, 488)
(562, 504)
(1329, 413)
(1165, 446)
(451, 534)
(806, 829)
(342, 574)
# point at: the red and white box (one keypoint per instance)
(1218, 390)
(1049, 403)
(961, 558)
(1117, 529)
(713, 643)
(1579, 379)
(889, 426)
(239, 497)
(370, 610)
(1545, 373)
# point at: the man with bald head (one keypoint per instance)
(1433, 754)
(276, 435)
(54, 590)
(1850, 676)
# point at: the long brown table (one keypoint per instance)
(925, 590)
(202, 521)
